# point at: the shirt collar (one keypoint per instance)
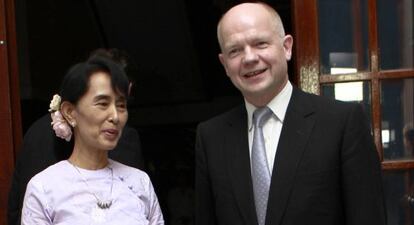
(278, 105)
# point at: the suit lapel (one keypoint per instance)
(296, 129)
(237, 154)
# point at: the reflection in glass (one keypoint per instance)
(359, 92)
(349, 92)
(343, 62)
(395, 30)
(399, 196)
(397, 112)
(343, 70)
(343, 35)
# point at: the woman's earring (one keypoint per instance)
(73, 124)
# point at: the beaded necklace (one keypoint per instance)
(102, 204)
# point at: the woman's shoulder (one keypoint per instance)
(45, 180)
(53, 172)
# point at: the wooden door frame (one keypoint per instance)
(10, 115)
(14, 76)
(307, 54)
(309, 77)
(306, 45)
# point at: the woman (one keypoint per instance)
(89, 188)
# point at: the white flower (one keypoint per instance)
(55, 103)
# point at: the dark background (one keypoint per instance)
(172, 60)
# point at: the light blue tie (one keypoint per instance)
(260, 169)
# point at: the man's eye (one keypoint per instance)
(234, 52)
(262, 44)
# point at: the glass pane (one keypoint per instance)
(397, 111)
(350, 92)
(343, 36)
(395, 33)
(399, 196)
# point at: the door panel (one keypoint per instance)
(362, 51)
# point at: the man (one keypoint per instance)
(312, 162)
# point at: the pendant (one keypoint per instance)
(104, 204)
(98, 215)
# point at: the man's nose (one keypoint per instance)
(250, 56)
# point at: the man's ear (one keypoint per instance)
(287, 45)
(68, 112)
(223, 62)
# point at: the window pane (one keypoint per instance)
(399, 196)
(343, 36)
(359, 92)
(397, 111)
(395, 30)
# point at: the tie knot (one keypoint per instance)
(261, 115)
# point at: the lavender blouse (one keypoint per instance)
(63, 194)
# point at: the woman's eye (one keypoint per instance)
(123, 105)
(102, 104)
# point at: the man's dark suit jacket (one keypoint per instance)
(41, 148)
(326, 170)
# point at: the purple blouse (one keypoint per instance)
(63, 194)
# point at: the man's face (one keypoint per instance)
(254, 54)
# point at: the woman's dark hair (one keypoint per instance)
(76, 81)
(118, 56)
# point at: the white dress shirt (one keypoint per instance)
(273, 127)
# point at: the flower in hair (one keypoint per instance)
(55, 103)
(59, 124)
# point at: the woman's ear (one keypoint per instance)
(68, 112)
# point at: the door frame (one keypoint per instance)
(10, 114)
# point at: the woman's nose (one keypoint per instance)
(114, 115)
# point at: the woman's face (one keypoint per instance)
(100, 115)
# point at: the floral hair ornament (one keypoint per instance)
(59, 124)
